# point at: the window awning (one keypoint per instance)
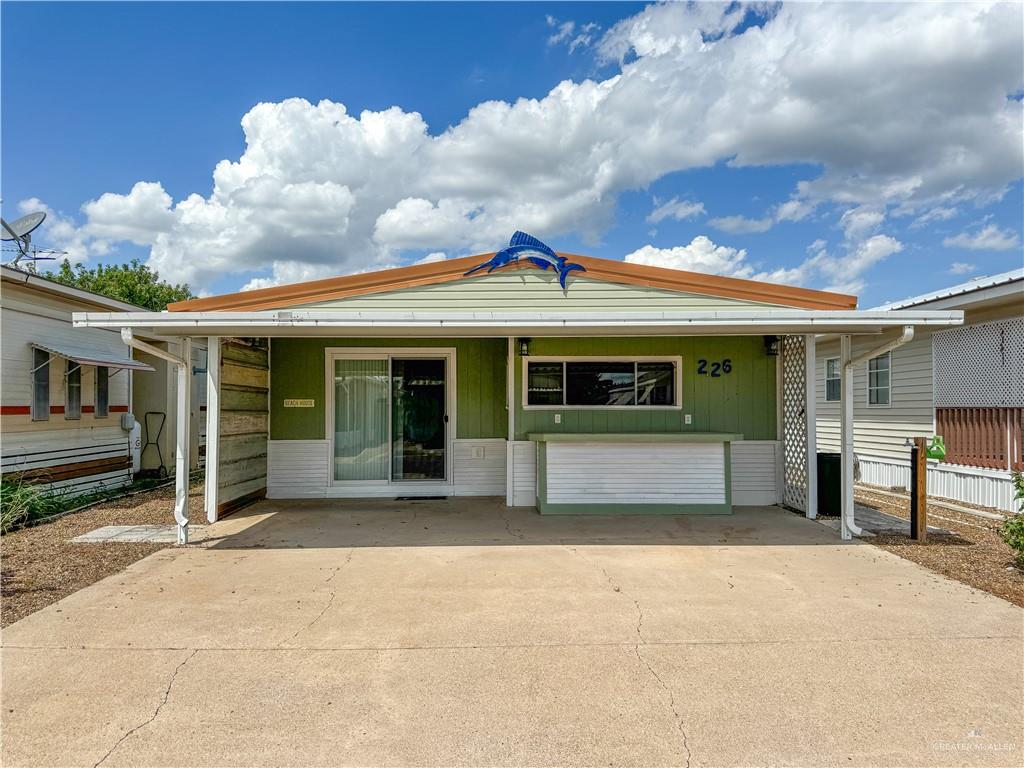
(98, 357)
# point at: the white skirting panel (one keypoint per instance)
(479, 467)
(755, 472)
(636, 473)
(973, 485)
(524, 473)
(297, 469)
(300, 469)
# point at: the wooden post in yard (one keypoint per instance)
(919, 489)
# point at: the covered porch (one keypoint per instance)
(276, 427)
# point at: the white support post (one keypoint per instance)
(810, 411)
(510, 404)
(182, 441)
(847, 528)
(212, 426)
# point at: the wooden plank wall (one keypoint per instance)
(244, 422)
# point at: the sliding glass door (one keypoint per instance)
(417, 419)
(390, 418)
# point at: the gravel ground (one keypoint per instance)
(40, 565)
(971, 552)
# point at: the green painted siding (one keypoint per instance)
(297, 371)
(742, 401)
(531, 290)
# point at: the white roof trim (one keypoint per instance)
(383, 323)
(51, 286)
(86, 356)
(976, 285)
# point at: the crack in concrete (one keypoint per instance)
(639, 656)
(508, 525)
(330, 600)
(156, 712)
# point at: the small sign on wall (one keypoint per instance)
(299, 403)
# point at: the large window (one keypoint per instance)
(73, 391)
(576, 383)
(40, 385)
(880, 379)
(832, 383)
(102, 401)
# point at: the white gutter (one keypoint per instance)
(848, 526)
(184, 370)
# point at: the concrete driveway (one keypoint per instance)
(461, 633)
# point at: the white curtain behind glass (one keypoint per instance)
(360, 419)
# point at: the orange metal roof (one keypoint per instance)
(286, 296)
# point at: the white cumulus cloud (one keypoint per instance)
(988, 238)
(318, 190)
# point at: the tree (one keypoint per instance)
(134, 283)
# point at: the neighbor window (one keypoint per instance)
(832, 388)
(73, 391)
(40, 385)
(601, 383)
(102, 409)
(880, 379)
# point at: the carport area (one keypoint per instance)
(461, 632)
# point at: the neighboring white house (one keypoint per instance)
(69, 396)
(965, 384)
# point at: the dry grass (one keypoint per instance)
(971, 552)
(40, 565)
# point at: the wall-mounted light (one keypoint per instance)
(524, 347)
(771, 346)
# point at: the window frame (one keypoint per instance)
(105, 377)
(40, 374)
(867, 383)
(72, 368)
(676, 360)
(837, 378)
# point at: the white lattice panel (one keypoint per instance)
(794, 421)
(980, 366)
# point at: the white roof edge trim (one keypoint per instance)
(977, 285)
(291, 318)
(46, 285)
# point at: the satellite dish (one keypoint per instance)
(20, 228)
(20, 231)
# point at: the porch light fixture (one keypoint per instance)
(771, 346)
(524, 347)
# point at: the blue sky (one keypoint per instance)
(859, 164)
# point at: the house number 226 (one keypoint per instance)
(714, 368)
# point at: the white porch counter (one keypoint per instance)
(633, 473)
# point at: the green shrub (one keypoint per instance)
(1012, 531)
(21, 502)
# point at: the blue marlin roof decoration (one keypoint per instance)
(541, 256)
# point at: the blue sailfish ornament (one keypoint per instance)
(524, 246)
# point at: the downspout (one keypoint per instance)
(184, 370)
(848, 524)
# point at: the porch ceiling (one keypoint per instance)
(372, 323)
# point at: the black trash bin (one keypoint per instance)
(830, 483)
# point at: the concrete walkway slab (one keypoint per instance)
(138, 534)
(462, 633)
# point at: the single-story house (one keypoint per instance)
(965, 384)
(74, 416)
(595, 387)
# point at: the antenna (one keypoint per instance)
(20, 231)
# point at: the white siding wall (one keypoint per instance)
(755, 465)
(299, 469)
(26, 316)
(635, 473)
(880, 431)
(524, 473)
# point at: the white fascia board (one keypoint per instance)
(295, 323)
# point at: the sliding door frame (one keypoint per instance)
(355, 488)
